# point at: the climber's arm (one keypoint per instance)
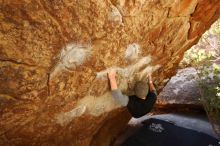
(112, 79)
(152, 88)
(116, 93)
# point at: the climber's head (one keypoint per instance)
(141, 89)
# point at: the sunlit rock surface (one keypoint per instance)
(54, 56)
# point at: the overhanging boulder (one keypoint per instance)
(54, 56)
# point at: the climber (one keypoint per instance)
(139, 104)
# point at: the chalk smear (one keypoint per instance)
(71, 56)
(127, 71)
(132, 52)
(104, 103)
(66, 117)
(115, 15)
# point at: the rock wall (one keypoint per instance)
(54, 56)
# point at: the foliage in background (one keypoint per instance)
(205, 58)
(208, 47)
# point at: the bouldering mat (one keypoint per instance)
(157, 132)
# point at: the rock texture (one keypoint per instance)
(181, 92)
(54, 56)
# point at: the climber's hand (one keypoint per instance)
(150, 80)
(111, 73)
(149, 77)
(112, 79)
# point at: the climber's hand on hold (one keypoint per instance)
(150, 80)
(111, 76)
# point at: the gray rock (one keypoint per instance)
(182, 89)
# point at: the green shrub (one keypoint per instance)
(205, 58)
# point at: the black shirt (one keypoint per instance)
(139, 107)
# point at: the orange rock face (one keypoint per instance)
(54, 56)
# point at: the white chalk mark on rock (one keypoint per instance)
(132, 69)
(105, 103)
(71, 56)
(98, 105)
(65, 118)
(74, 54)
(127, 71)
(115, 15)
(149, 69)
(130, 72)
(132, 52)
